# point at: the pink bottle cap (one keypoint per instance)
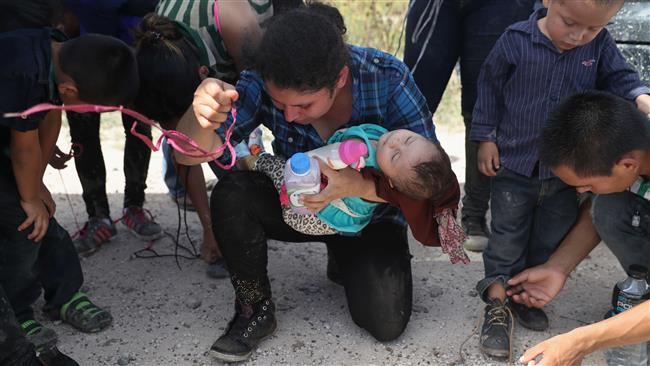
(351, 151)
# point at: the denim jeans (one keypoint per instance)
(84, 131)
(530, 217)
(465, 30)
(175, 187)
(27, 267)
(613, 216)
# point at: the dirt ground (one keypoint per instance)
(170, 316)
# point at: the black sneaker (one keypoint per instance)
(54, 357)
(496, 330)
(250, 325)
(477, 232)
(530, 318)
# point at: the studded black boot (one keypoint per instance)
(250, 325)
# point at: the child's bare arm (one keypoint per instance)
(48, 132)
(27, 166)
(643, 103)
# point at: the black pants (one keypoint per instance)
(84, 130)
(15, 349)
(375, 267)
(27, 267)
(465, 30)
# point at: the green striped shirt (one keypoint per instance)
(642, 188)
(198, 15)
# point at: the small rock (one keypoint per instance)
(123, 360)
(194, 304)
(472, 293)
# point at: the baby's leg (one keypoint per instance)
(273, 167)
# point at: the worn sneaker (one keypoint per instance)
(140, 223)
(529, 318)
(496, 331)
(477, 233)
(54, 357)
(41, 337)
(250, 325)
(218, 269)
(82, 314)
(96, 232)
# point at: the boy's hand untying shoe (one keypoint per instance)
(36, 214)
(212, 102)
(488, 158)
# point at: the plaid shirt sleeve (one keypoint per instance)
(407, 107)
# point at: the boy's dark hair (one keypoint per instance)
(589, 132)
(433, 178)
(168, 64)
(15, 14)
(103, 68)
(303, 49)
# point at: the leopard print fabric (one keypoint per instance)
(273, 166)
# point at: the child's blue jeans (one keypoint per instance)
(530, 217)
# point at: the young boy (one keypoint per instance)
(416, 175)
(562, 49)
(598, 143)
(90, 69)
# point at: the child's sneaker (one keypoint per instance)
(496, 330)
(41, 337)
(140, 223)
(218, 269)
(477, 233)
(96, 232)
(85, 316)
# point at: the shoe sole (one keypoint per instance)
(144, 237)
(496, 353)
(476, 243)
(229, 357)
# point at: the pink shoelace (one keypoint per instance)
(177, 140)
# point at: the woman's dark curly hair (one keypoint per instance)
(303, 49)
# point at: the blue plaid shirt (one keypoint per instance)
(383, 92)
(524, 78)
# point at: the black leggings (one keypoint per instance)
(375, 266)
(84, 130)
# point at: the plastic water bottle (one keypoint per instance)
(301, 176)
(342, 154)
(627, 294)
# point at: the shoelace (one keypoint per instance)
(177, 140)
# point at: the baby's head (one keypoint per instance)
(414, 165)
(574, 23)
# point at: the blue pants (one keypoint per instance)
(175, 187)
(465, 30)
(613, 215)
(530, 217)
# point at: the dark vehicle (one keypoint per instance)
(631, 30)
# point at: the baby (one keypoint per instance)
(417, 172)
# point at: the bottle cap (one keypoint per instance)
(299, 163)
(351, 151)
(638, 271)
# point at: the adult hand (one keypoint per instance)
(562, 350)
(36, 214)
(59, 158)
(536, 286)
(340, 183)
(45, 196)
(212, 101)
(210, 252)
(488, 158)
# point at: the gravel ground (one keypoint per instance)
(170, 316)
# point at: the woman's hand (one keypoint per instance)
(340, 183)
(210, 252)
(59, 158)
(212, 101)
